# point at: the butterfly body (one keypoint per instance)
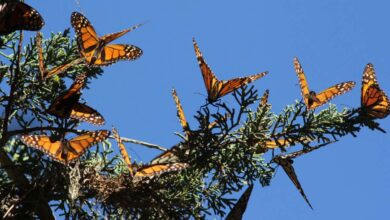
(65, 151)
(219, 88)
(19, 16)
(97, 50)
(374, 101)
(314, 100)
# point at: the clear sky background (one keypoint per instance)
(334, 40)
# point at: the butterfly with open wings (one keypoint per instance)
(313, 99)
(62, 150)
(374, 101)
(97, 50)
(218, 88)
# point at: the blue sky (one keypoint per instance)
(333, 40)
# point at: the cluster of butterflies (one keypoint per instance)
(94, 51)
(98, 51)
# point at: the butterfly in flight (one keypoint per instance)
(56, 70)
(311, 98)
(374, 102)
(65, 151)
(97, 50)
(67, 105)
(19, 16)
(218, 88)
(238, 210)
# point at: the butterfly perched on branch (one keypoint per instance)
(67, 105)
(146, 172)
(19, 16)
(97, 50)
(313, 99)
(56, 70)
(374, 101)
(286, 162)
(62, 150)
(218, 88)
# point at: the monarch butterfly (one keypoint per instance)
(169, 156)
(216, 88)
(264, 101)
(97, 50)
(273, 144)
(286, 162)
(154, 170)
(180, 113)
(64, 151)
(19, 16)
(56, 70)
(374, 102)
(238, 210)
(123, 151)
(311, 98)
(67, 105)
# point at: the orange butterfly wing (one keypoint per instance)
(329, 93)
(229, 86)
(209, 78)
(154, 170)
(95, 49)
(65, 151)
(19, 16)
(302, 81)
(313, 100)
(85, 113)
(374, 101)
(216, 88)
(45, 144)
(180, 112)
(87, 39)
(122, 149)
(115, 52)
(81, 143)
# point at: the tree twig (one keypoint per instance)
(149, 145)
